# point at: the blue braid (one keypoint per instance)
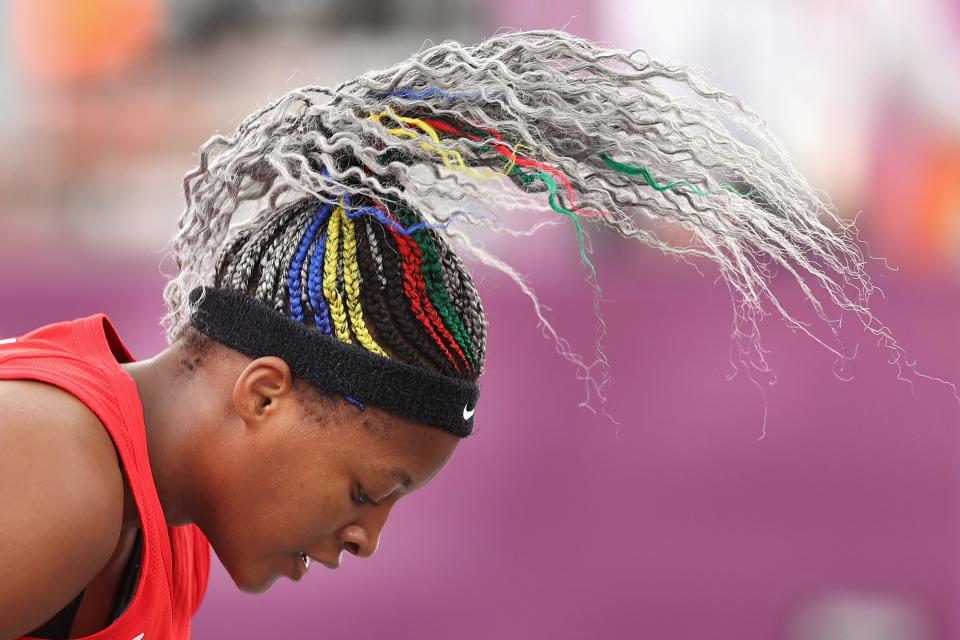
(429, 92)
(294, 285)
(321, 311)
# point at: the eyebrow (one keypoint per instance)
(402, 476)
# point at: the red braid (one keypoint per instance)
(423, 309)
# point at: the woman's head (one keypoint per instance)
(352, 200)
(286, 469)
(298, 470)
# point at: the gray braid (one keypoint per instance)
(375, 254)
(241, 271)
(276, 278)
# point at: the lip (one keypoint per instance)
(299, 569)
(328, 565)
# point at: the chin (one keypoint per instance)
(256, 584)
(256, 587)
(248, 582)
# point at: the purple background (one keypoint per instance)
(552, 522)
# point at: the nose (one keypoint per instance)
(359, 541)
(363, 536)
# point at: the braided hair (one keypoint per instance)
(361, 193)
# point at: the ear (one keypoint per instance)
(260, 385)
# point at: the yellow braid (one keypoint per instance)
(330, 291)
(445, 154)
(351, 283)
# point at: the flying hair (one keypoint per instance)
(387, 173)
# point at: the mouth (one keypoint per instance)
(304, 561)
(299, 568)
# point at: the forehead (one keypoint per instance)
(403, 450)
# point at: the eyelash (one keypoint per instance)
(363, 497)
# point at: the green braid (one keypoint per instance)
(436, 289)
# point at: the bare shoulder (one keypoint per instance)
(61, 501)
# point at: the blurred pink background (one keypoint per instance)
(679, 523)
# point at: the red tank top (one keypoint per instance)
(83, 357)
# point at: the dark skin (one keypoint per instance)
(263, 465)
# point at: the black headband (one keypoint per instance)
(256, 329)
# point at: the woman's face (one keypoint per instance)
(290, 473)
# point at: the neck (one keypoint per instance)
(165, 394)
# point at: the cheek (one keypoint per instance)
(293, 507)
(274, 503)
(251, 518)
(320, 506)
(255, 537)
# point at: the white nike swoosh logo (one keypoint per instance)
(468, 413)
(139, 637)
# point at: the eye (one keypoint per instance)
(362, 496)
